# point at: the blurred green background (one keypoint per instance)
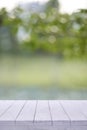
(43, 54)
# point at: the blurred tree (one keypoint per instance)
(43, 32)
(58, 33)
(52, 4)
(80, 30)
(9, 24)
(49, 31)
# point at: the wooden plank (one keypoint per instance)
(84, 107)
(42, 128)
(27, 114)
(72, 108)
(42, 115)
(38, 127)
(11, 114)
(77, 127)
(7, 127)
(4, 105)
(59, 117)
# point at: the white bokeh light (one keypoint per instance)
(66, 5)
(72, 5)
(11, 4)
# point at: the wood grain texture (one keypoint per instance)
(74, 112)
(27, 114)
(59, 116)
(9, 117)
(43, 115)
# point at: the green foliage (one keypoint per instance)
(50, 31)
(11, 19)
(52, 4)
(60, 34)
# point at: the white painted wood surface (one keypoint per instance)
(43, 115)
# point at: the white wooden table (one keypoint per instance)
(43, 115)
